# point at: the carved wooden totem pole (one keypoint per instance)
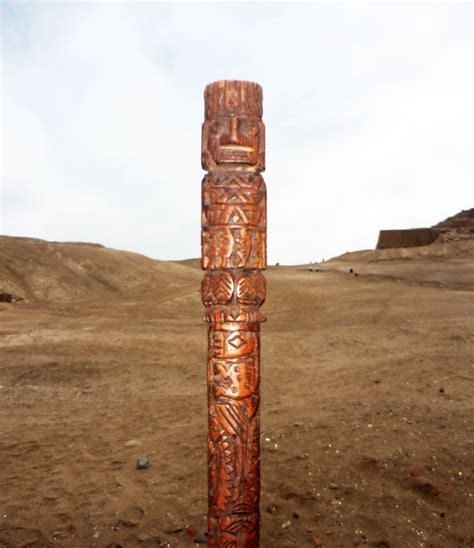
(233, 242)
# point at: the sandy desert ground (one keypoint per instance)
(367, 400)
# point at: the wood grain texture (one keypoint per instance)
(233, 240)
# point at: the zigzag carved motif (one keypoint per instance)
(251, 288)
(217, 288)
(233, 190)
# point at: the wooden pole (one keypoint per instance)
(233, 240)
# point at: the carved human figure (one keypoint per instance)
(233, 254)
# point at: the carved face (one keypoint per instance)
(231, 140)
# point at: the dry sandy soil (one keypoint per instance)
(367, 400)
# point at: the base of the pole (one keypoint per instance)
(236, 531)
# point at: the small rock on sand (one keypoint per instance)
(132, 443)
(143, 463)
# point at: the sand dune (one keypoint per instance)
(447, 262)
(437, 250)
(367, 401)
(38, 270)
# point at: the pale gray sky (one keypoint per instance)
(368, 109)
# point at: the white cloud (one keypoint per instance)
(368, 111)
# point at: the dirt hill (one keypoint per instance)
(37, 270)
(448, 261)
(462, 248)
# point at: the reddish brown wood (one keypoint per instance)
(233, 242)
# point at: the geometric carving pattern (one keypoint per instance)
(217, 288)
(225, 315)
(223, 287)
(251, 288)
(241, 188)
(234, 221)
(233, 449)
(236, 379)
(233, 214)
(233, 245)
(231, 343)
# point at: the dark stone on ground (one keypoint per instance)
(143, 463)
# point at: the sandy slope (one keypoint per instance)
(444, 263)
(38, 270)
(368, 430)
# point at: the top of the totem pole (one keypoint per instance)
(233, 98)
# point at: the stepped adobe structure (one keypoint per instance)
(461, 224)
(462, 220)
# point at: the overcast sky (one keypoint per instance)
(368, 110)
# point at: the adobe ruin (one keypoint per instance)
(462, 222)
